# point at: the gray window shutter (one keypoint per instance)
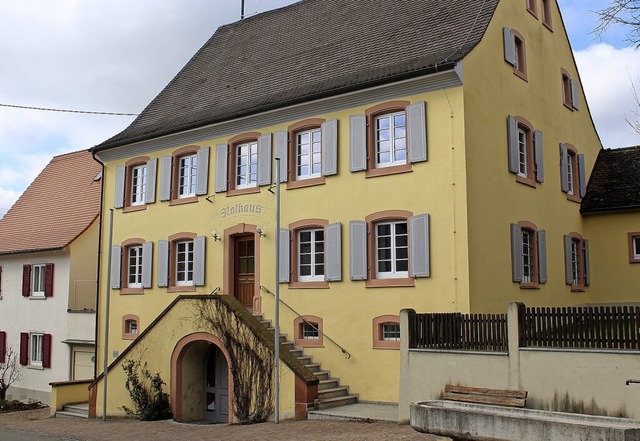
(264, 159)
(284, 270)
(582, 175)
(202, 172)
(512, 133)
(330, 147)
(542, 256)
(539, 149)
(358, 250)
(116, 264)
(222, 154)
(419, 260)
(575, 97)
(564, 175)
(568, 274)
(509, 46)
(516, 253)
(118, 201)
(417, 131)
(163, 263)
(152, 171)
(199, 260)
(585, 251)
(147, 264)
(281, 141)
(165, 178)
(357, 143)
(333, 261)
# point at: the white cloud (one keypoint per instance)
(606, 74)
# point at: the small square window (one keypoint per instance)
(131, 327)
(634, 247)
(310, 331)
(390, 331)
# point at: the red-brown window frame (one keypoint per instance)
(530, 178)
(521, 69)
(579, 287)
(532, 7)
(130, 335)
(630, 240)
(176, 156)
(546, 14)
(377, 326)
(572, 156)
(124, 266)
(128, 184)
(173, 240)
(292, 131)
(535, 270)
(371, 113)
(298, 326)
(233, 144)
(295, 228)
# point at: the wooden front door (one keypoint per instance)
(244, 270)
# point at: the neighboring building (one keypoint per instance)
(433, 155)
(611, 210)
(48, 261)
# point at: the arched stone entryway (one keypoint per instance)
(201, 383)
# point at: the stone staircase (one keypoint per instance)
(330, 392)
(75, 410)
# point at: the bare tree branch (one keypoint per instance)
(9, 372)
(624, 13)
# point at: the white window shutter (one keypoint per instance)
(509, 46)
(281, 141)
(419, 259)
(542, 256)
(568, 273)
(202, 172)
(582, 175)
(264, 159)
(116, 266)
(575, 97)
(358, 250)
(222, 155)
(163, 263)
(329, 147)
(516, 253)
(284, 270)
(118, 201)
(539, 149)
(585, 257)
(512, 144)
(152, 171)
(333, 260)
(199, 251)
(417, 131)
(165, 178)
(564, 174)
(147, 264)
(357, 143)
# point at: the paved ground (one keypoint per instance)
(36, 425)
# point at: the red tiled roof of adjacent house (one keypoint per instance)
(309, 50)
(614, 184)
(58, 206)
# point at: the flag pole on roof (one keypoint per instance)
(242, 12)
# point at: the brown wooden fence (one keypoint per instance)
(605, 327)
(455, 331)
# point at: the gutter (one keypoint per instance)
(100, 216)
(38, 250)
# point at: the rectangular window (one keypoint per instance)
(575, 261)
(390, 139)
(546, 14)
(184, 263)
(36, 345)
(392, 250)
(131, 327)
(571, 172)
(311, 255)
(527, 256)
(634, 247)
(38, 280)
(247, 165)
(310, 331)
(576, 257)
(138, 184)
(134, 267)
(309, 154)
(390, 332)
(187, 176)
(522, 153)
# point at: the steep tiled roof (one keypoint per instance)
(309, 50)
(614, 184)
(59, 205)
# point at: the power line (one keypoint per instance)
(46, 109)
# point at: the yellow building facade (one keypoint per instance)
(452, 183)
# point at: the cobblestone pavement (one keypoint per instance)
(39, 424)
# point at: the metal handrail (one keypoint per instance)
(343, 350)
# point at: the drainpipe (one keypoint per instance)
(277, 294)
(100, 215)
(106, 319)
(631, 380)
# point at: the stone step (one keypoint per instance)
(329, 383)
(336, 402)
(306, 359)
(313, 367)
(322, 375)
(76, 410)
(333, 392)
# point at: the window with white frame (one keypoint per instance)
(576, 254)
(310, 331)
(138, 184)
(522, 152)
(634, 247)
(528, 254)
(35, 349)
(187, 176)
(246, 165)
(572, 173)
(131, 326)
(35, 345)
(390, 139)
(390, 331)
(134, 266)
(184, 263)
(392, 250)
(38, 280)
(386, 332)
(309, 154)
(311, 255)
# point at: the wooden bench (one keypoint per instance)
(483, 395)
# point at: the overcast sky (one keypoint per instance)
(117, 55)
